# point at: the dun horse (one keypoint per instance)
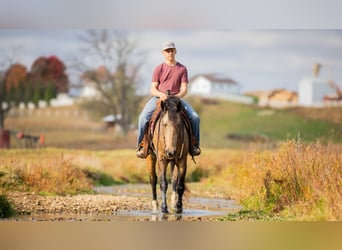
(170, 143)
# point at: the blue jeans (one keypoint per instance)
(148, 110)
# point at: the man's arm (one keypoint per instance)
(155, 92)
(183, 90)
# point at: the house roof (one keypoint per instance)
(214, 77)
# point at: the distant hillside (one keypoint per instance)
(226, 124)
(223, 124)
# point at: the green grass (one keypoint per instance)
(63, 130)
(224, 118)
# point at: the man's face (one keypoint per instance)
(169, 54)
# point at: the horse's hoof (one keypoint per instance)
(178, 210)
(165, 211)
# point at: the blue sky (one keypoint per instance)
(257, 59)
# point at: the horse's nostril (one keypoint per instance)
(170, 154)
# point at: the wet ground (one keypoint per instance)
(131, 202)
(194, 207)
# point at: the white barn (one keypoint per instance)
(212, 84)
(312, 91)
(217, 86)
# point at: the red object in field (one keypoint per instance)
(4, 138)
(20, 135)
(41, 140)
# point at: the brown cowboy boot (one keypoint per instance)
(197, 151)
(140, 151)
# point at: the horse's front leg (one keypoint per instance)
(151, 165)
(181, 167)
(163, 185)
(174, 178)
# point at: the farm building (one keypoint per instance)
(277, 98)
(216, 86)
(315, 91)
(312, 91)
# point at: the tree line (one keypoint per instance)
(45, 79)
(115, 77)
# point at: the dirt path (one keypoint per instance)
(123, 203)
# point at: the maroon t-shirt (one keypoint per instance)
(170, 77)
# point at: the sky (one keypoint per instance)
(261, 44)
(256, 59)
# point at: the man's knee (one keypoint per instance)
(195, 118)
(143, 119)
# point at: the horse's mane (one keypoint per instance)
(174, 107)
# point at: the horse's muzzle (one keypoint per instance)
(170, 154)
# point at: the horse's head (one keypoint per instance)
(170, 125)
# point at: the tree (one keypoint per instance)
(46, 70)
(15, 75)
(117, 77)
(49, 92)
(10, 89)
(5, 106)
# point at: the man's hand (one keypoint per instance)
(163, 96)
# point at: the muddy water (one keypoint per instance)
(194, 207)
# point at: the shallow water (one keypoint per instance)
(194, 208)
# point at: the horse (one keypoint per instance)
(170, 145)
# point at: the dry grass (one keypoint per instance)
(294, 181)
(332, 114)
(298, 180)
(66, 127)
(41, 172)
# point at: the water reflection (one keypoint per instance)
(166, 217)
(207, 207)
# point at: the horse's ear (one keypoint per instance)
(179, 106)
(162, 105)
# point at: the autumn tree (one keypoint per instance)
(46, 70)
(116, 79)
(15, 75)
(11, 90)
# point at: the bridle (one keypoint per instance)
(165, 110)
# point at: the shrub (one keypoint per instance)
(6, 209)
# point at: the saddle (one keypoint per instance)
(149, 130)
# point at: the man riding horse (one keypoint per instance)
(170, 75)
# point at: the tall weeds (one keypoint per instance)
(44, 176)
(298, 179)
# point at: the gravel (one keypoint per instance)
(93, 207)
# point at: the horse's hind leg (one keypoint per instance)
(151, 165)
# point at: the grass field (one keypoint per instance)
(73, 128)
(277, 125)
